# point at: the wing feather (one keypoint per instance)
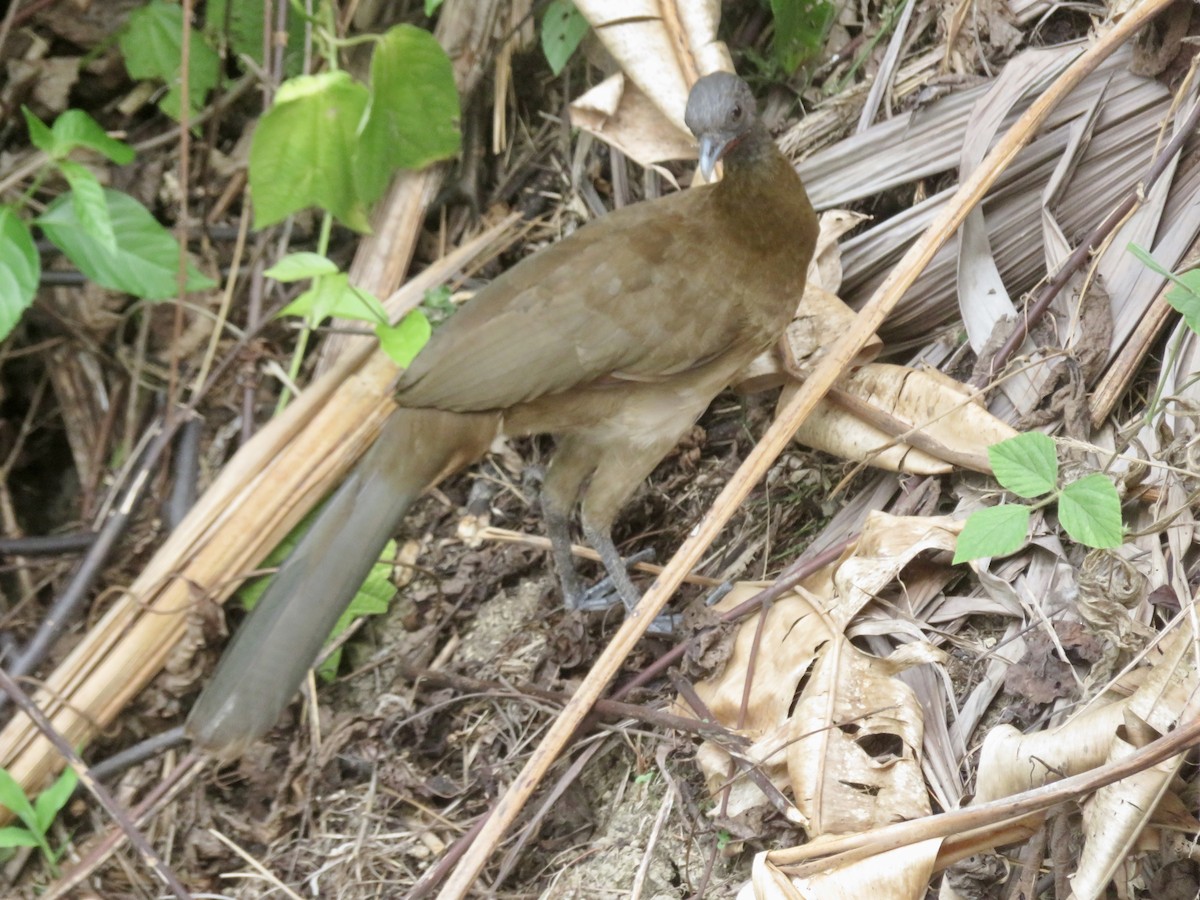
(602, 303)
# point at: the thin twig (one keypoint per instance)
(47, 544)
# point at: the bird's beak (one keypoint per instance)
(712, 148)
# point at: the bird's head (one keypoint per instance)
(720, 112)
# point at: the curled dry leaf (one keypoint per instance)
(895, 875)
(956, 427)
(826, 722)
(1011, 762)
(662, 47)
(825, 270)
(617, 112)
(1115, 818)
(821, 314)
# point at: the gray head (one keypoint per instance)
(720, 112)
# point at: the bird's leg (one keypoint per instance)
(610, 477)
(600, 537)
(603, 593)
(568, 470)
(614, 564)
(559, 531)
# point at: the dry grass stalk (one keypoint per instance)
(507, 536)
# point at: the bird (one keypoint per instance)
(614, 341)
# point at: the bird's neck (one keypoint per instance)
(760, 187)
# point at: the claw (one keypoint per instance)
(605, 593)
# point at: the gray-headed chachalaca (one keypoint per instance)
(614, 340)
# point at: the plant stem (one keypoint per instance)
(307, 329)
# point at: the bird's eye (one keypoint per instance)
(737, 111)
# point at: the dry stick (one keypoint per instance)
(827, 371)
(138, 753)
(101, 544)
(47, 544)
(788, 579)
(1128, 362)
(185, 473)
(905, 432)
(508, 536)
(185, 186)
(1079, 255)
(774, 795)
(98, 790)
(118, 657)
(748, 767)
(609, 709)
(549, 801)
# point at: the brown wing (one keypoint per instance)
(631, 295)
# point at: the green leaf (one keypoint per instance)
(146, 258)
(51, 801)
(333, 295)
(563, 27)
(431, 6)
(75, 128)
(304, 150)
(40, 134)
(13, 836)
(1026, 464)
(404, 341)
(1149, 261)
(152, 44)
(298, 266)
(362, 305)
(800, 28)
(13, 798)
(20, 269)
(315, 304)
(993, 531)
(412, 118)
(240, 24)
(1184, 298)
(91, 209)
(1090, 511)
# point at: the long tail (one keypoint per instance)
(266, 661)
